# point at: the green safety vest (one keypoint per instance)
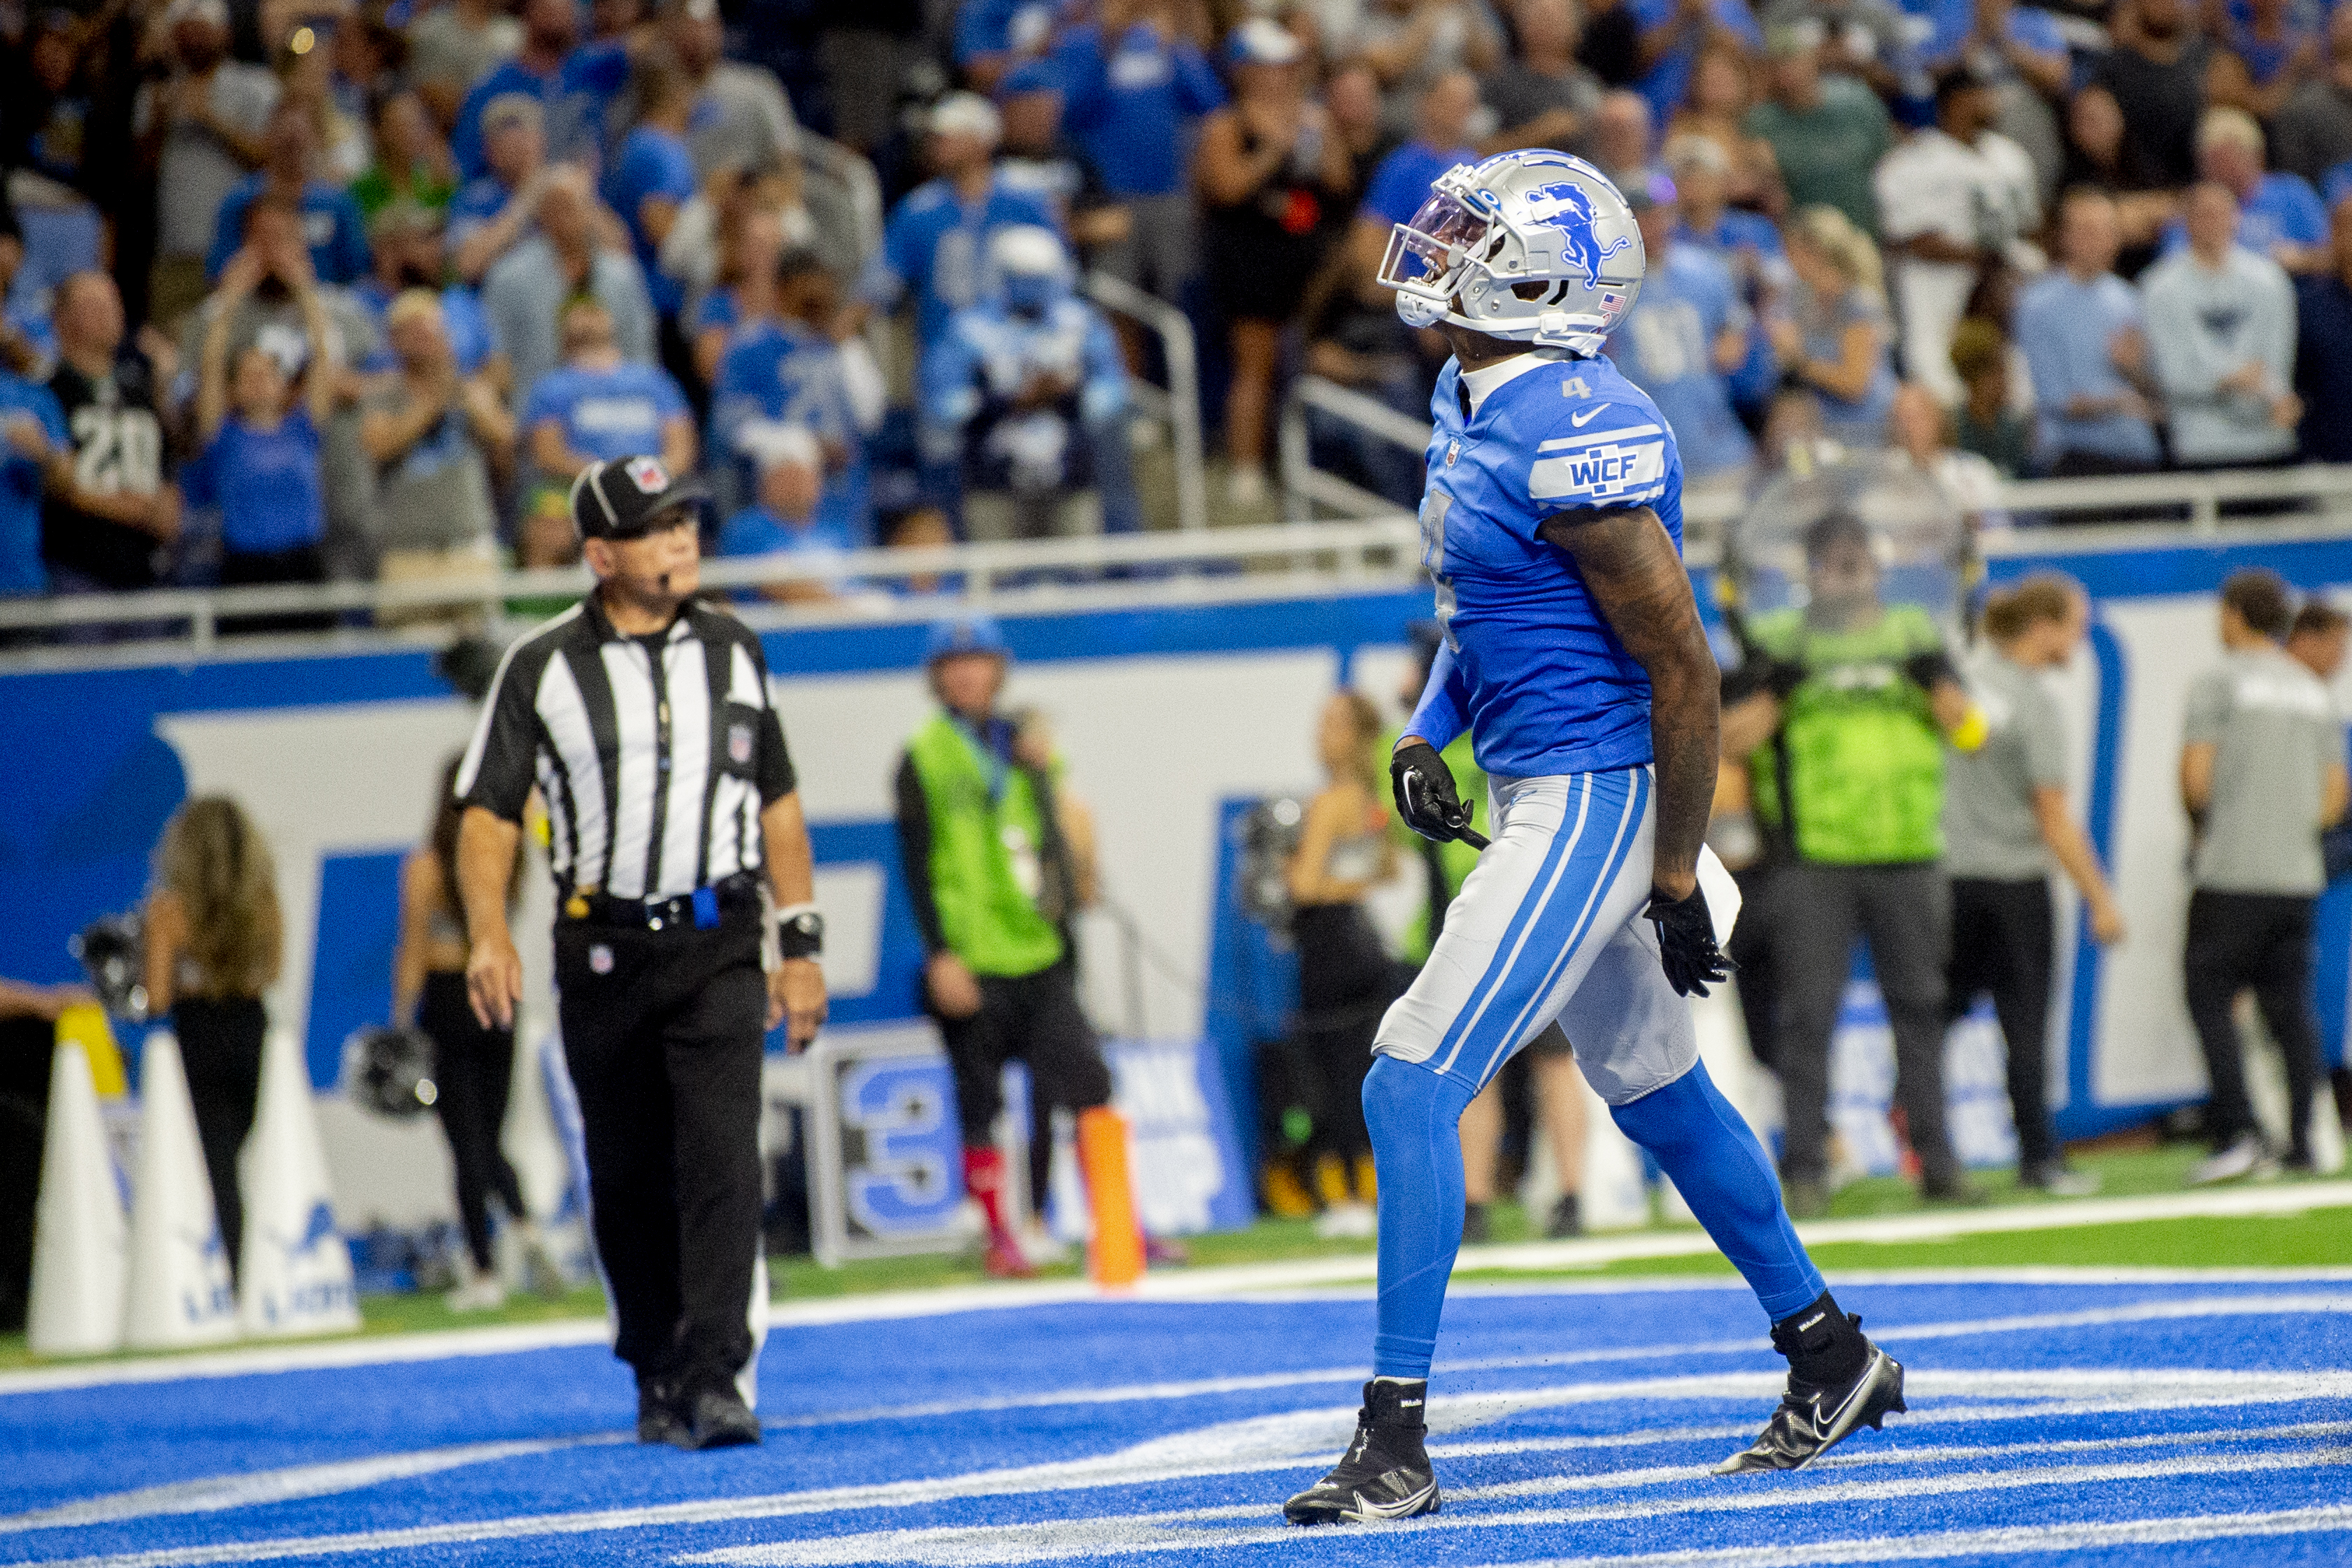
(1863, 760)
(988, 918)
(1455, 857)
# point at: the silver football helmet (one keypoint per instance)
(1534, 246)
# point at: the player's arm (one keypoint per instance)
(1628, 565)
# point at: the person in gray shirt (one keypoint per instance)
(2262, 773)
(2005, 820)
(525, 291)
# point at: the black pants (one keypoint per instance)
(2001, 936)
(662, 1031)
(27, 1047)
(2261, 942)
(1751, 951)
(1346, 982)
(473, 1069)
(220, 1045)
(1903, 912)
(1036, 1019)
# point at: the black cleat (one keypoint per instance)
(659, 1418)
(1385, 1472)
(1838, 1381)
(720, 1420)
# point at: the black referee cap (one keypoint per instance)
(628, 498)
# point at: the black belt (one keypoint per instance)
(699, 910)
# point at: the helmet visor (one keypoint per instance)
(1433, 242)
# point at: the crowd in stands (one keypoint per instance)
(300, 290)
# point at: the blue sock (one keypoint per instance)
(1707, 1148)
(1415, 1115)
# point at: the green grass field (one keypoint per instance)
(2316, 1238)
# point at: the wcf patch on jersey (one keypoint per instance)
(1605, 469)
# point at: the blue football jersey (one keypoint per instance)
(1549, 689)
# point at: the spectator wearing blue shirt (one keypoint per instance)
(1672, 33)
(525, 293)
(406, 240)
(1686, 332)
(332, 224)
(785, 519)
(1126, 102)
(571, 83)
(1748, 245)
(259, 465)
(993, 36)
(494, 211)
(2085, 341)
(1836, 339)
(2323, 359)
(598, 405)
(2001, 40)
(937, 235)
(2279, 216)
(1402, 182)
(791, 371)
(1031, 388)
(32, 440)
(652, 178)
(2266, 48)
(28, 339)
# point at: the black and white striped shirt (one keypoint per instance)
(654, 754)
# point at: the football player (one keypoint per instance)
(1573, 653)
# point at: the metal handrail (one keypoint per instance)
(1182, 355)
(2204, 493)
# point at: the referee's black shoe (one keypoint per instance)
(660, 1418)
(1385, 1472)
(1838, 1381)
(717, 1418)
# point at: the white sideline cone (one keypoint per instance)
(77, 1228)
(297, 1269)
(181, 1293)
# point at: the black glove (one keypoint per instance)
(1924, 670)
(1425, 796)
(1687, 943)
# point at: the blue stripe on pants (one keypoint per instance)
(1554, 916)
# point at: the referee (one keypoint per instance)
(643, 718)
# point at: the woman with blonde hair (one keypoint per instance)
(2005, 822)
(215, 942)
(1836, 338)
(1346, 977)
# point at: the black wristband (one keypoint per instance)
(800, 933)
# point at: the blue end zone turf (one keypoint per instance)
(2123, 1424)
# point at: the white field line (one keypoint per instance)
(212, 1494)
(2118, 1391)
(2020, 1540)
(1307, 1277)
(953, 1546)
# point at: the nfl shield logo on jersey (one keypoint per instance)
(738, 744)
(1452, 450)
(647, 474)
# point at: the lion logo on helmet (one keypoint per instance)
(1571, 214)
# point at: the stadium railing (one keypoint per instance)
(1178, 404)
(1374, 545)
(2202, 494)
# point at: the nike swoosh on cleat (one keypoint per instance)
(1581, 420)
(1841, 1420)
(1403, 1508)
